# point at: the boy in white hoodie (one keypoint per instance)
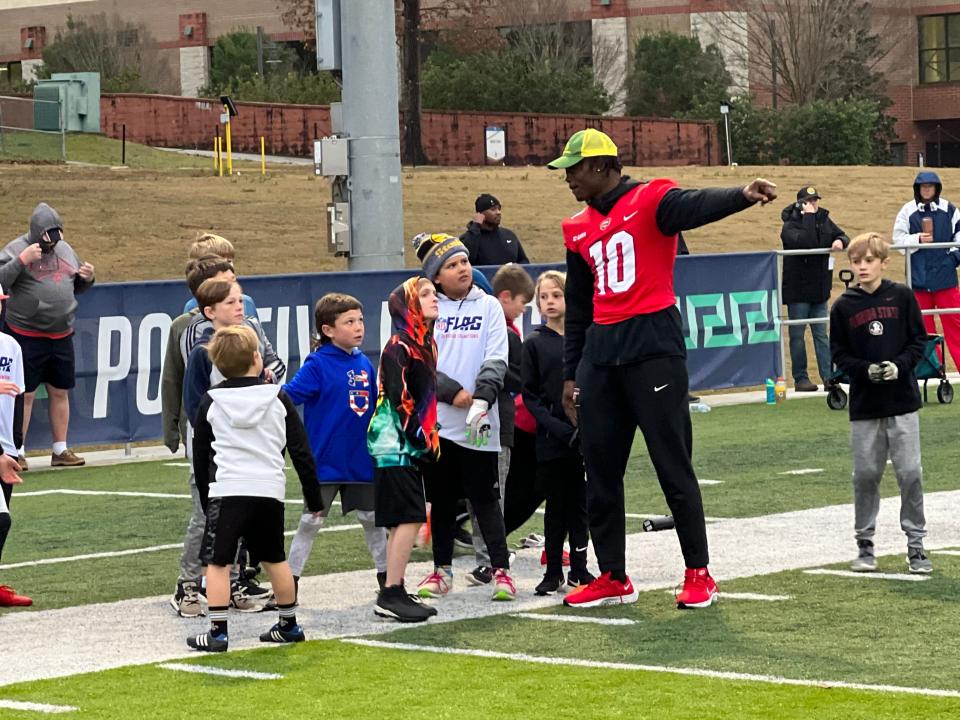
(471, 337)
(240, 432)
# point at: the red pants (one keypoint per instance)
(948, 298)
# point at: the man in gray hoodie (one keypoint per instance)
(43, 275)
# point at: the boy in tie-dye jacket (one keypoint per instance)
(403, 435)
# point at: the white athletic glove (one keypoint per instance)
(875, 372)
(478, 423)
(890, 370)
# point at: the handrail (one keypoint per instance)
(906, 248)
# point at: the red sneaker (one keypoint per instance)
(9, 598)
(602, 591)
(566, 558)
(699, 589)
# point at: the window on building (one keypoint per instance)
(939, 48)
(11, 75)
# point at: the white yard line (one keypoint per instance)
(904, 577)
(575, 619)
(130, 493)
(948, 552)
(221, 672)
(710, 482)
(138, 551)
(759, 597)
(36, 707)
(802, 471)
(696, 672)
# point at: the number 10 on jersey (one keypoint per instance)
(615, 263)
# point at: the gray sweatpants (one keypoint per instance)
(871, 442)
(479, 546)
(190, 567)
(310, 525)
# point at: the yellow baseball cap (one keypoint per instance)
(584, 144)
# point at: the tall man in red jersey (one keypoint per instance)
(624, 355)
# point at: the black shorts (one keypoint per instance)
(258, 520)
(46, 360)
(353, 496)
(399, 496)
(463, 473)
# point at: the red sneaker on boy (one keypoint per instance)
(699, 589)
(602, 591)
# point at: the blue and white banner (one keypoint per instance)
(728, 303)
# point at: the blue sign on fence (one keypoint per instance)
(728, 304)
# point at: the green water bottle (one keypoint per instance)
(771, 391)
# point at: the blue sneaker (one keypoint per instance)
(208, 642)
(277, 635)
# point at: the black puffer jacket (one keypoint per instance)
(807, 278)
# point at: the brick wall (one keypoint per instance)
(448, 138)
(936, 102)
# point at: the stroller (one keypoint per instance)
(930, 367)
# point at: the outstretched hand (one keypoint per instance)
(760, 190)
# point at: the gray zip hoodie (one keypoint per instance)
(42, 294)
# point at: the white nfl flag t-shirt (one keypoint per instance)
(11, 370)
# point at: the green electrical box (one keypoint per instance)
(77, 97)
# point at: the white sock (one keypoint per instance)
(59, 447)
(20, 451)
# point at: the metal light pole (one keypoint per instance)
(725, 111)
(371, 124)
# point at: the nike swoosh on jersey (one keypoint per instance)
(627, 217)
(583, 549)
(658, 388)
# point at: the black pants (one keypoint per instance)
(525, 492)
(472, 474)
(614, 401)
(566, 513)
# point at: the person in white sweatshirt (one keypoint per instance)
(240, 432)
(471, 337)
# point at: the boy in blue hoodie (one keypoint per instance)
(337, 387)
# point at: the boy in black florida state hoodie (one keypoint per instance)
(877, 338)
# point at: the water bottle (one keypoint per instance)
(699, 407)
(781, 389)
(771, 385)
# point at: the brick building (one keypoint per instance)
(923, 75)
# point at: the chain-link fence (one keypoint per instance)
(32, 130)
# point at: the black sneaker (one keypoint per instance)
(381, 580)
(480, 575)
(549, 585)
(276, 634)
(246, 595)
(208, 642)
(396, 604)
(575, 579)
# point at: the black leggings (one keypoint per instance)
(472, 474)
(566, 513)
(525, 492)
(614, 402)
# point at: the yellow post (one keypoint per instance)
(263, 157)
(216, 158)
(220, 155)
(229, 150)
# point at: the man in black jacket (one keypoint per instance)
(487, 241)
(807, 280)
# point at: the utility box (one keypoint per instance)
(334, 157)
(328, 34)
(79, 98)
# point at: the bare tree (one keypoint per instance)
(805, 50)
(412, 18)
(539, 29)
